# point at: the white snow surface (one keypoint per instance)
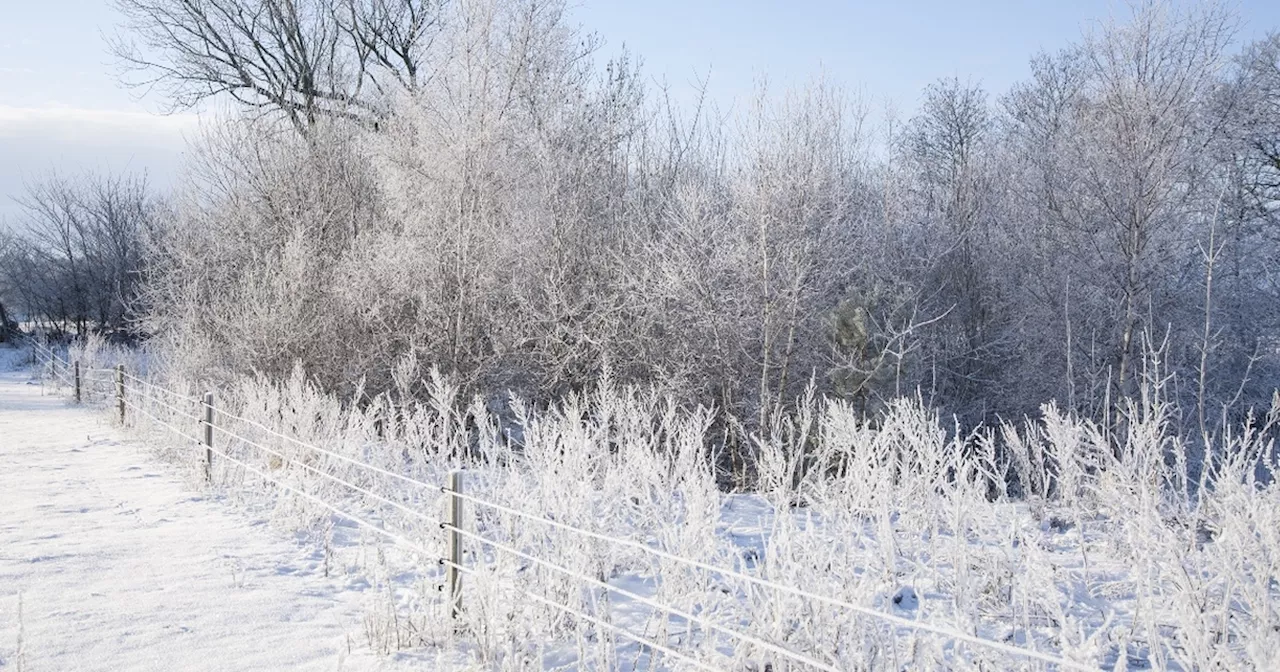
(121, 565)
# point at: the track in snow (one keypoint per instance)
(121, 565)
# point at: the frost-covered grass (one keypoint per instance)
(1105, 546)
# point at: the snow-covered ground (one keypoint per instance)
(119, 564)
(126, 559)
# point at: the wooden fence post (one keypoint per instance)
(208, 437)
(454, 542)
(120, 391)
(77, 377)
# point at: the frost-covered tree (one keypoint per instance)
(1114, 136)
(795, 196)
(949, 151)
(530, 216)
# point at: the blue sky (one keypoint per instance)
(887, 51)
(61, 108)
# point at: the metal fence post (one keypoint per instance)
(120, 391)
(454, 542)
(208, 437)
(77, 377)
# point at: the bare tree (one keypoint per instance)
(1152, 78)
(1116, 136)
(1256, 92)
(949, 149)
(1240, 250)
(308, 59)
(795, 210)
(77, 262)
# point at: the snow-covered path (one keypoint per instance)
(121, 565)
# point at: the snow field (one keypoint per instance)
(120, 564)
(1094, 555)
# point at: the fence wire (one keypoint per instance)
(53, 359)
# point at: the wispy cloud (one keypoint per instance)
(94, 126)
(36, 139)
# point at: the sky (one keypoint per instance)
(61, 107)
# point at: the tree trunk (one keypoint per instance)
(4, 324)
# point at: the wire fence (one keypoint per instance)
(135, 393)
(52, 365)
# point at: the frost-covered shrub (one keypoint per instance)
(1046, 534)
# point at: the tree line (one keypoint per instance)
(73, 264)
(474, 186)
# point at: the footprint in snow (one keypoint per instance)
(906, 599)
